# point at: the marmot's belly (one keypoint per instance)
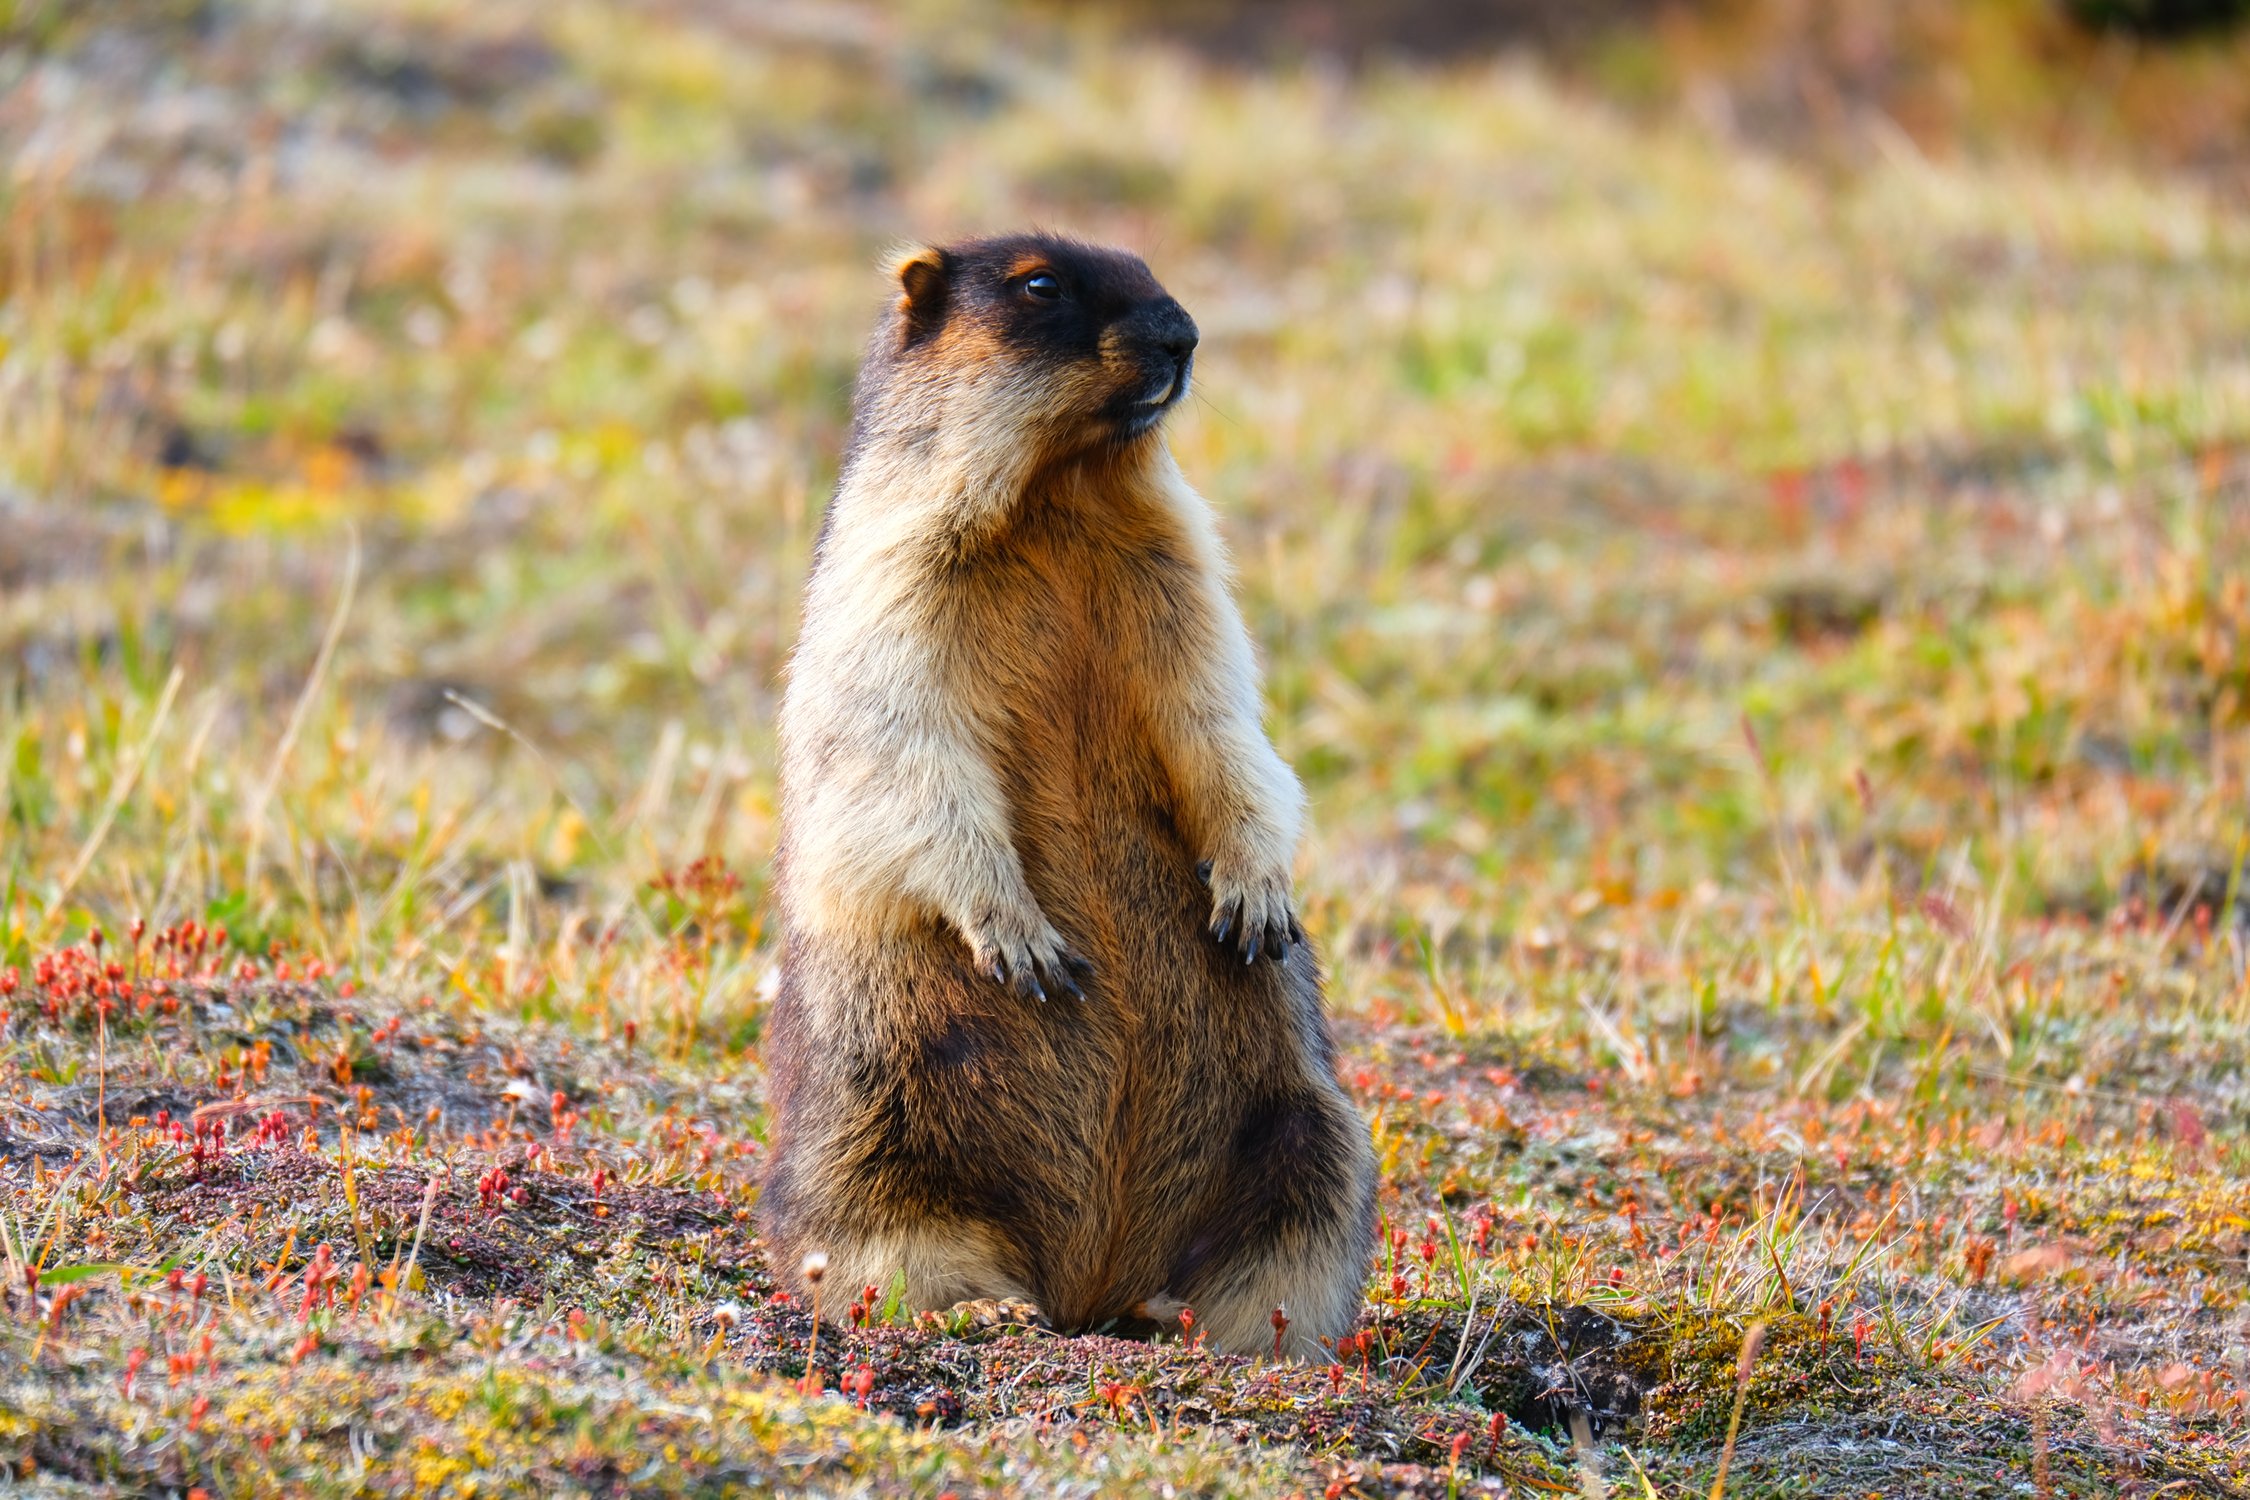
(1114, 871)
(1191, 1041)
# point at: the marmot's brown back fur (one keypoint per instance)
(1047, 1028)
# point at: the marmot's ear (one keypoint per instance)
(925, 277)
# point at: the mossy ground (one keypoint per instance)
(1759, 593)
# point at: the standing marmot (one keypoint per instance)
(1035, 844)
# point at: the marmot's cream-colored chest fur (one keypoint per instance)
(1047, 1031)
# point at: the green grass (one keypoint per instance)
(1767, 635)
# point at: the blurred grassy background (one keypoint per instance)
(1565, 408)
(1746, 507)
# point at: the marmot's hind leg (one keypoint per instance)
(1293, 1230)
(948, 1268)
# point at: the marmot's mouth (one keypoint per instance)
(1136, 415)
(1174, 387)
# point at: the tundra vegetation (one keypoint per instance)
(1756, 580)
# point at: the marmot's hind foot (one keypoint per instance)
(993, 1312)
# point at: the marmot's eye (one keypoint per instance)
(1045, 285)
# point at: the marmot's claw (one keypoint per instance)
(1028, 957)
(1255, 919)
(1061, 972)
(1034, 976)
(1203, 871)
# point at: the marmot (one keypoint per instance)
(1047, 1030)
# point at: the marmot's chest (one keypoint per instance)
(1056, 642)
(1058, 628)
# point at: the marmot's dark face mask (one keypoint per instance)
(1089, 346)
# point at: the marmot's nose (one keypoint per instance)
(1169, 328)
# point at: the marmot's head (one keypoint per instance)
(1061, 346)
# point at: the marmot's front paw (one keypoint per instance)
(1028, 954)
(1251, 911)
